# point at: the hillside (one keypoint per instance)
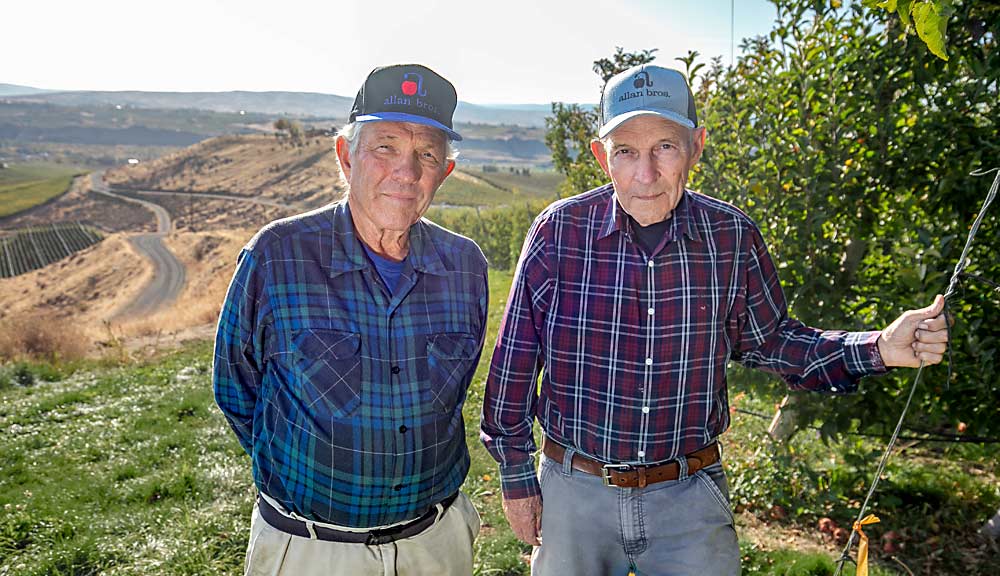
(260, 166)
(84, 292)
(301, 176)
(79, 205)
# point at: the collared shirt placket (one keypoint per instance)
(652, 270)
(391, 303)
(647, 298)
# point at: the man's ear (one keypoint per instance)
(597, 149)
(344, 157)
(447, 171)
(698, 137)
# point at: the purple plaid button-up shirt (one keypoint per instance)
(635, 346)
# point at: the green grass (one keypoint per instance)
(27, 185)
(756, 560)
(498, 188)
(455, 192)
(539, 184)
(131, 469)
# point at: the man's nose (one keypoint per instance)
(408, 170)
(646, 171)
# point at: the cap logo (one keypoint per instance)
(640, 82)
(411, 87)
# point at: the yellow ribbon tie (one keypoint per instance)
(863, 544)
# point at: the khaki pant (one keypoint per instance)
(443, 549)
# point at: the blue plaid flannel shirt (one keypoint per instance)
(347, 398)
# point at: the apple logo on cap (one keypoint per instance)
(409, 87)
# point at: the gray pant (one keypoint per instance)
(681, 527)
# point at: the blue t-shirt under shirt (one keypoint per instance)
(388, 270)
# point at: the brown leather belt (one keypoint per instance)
(629, 476)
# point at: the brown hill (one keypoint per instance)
(269, 167)
(80, 295)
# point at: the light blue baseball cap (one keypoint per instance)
(646, 89)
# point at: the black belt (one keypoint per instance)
(372, 538)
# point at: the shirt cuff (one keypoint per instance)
(519, 481)
(861, 354)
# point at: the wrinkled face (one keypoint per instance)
(648, 159)
(393, 173)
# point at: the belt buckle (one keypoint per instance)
(378, 537)
(607, 468)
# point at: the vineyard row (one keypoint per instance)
(33, 248)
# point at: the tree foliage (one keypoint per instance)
(851, 147)
(927, 18)
(293, 128)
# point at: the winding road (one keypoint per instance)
(168, 272)
(216, 196)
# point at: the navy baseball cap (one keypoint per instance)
(646, 89)
(407, 93)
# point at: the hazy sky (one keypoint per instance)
(506, 51)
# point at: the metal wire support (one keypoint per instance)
(952, 283)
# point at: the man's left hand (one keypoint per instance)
(917, 335)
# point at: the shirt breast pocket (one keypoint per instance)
(449, 358)
(328, 365)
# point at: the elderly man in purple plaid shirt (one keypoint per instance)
(634, 297)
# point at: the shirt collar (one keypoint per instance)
(615, 219)
(348, 254)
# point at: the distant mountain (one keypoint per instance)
(275, 103)
(15, 90)
(302, 104)
(479, 114)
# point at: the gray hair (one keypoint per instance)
(351, 132)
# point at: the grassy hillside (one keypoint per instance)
(25, 185)
(471, 186)
(131, 469)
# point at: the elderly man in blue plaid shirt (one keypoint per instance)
(345, 347)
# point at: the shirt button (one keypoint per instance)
(403, 429)
(645, 409)
(395, 369)
(397, 487)
(649, 262)
(650, 311)
(649, 361)
(642, 454)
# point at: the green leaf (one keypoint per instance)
(903, 9)
(889, 5)
(931, 27)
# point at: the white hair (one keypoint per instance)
(351, 132)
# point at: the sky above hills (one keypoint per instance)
(502, 52)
